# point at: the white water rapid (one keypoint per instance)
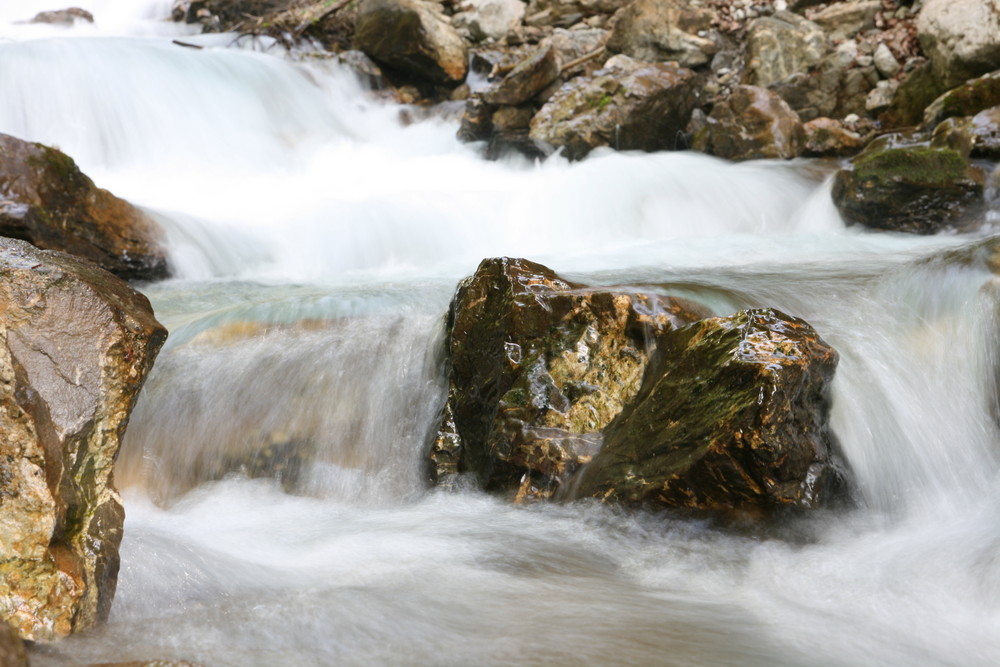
(317, 239)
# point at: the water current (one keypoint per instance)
(317, 239)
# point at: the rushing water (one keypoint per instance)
(317, 240)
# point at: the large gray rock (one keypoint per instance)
(413, 36)
(751, 124)
(489, 19)
(76, 344)
(628, 105)
(538, 366)
(781, 45)
(657, 30)
(47, 200)
(732, 416)
(962, 37)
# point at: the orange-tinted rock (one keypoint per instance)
(45, 199)
(825, 137)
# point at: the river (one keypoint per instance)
(317, 238)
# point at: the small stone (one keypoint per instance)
(885, 62)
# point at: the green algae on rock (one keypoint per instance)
(732, 416)
(538, 366)
(76, 344)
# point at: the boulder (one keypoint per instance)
(12, 653)
(564, 13)
(961, 37)
(828, 137)
(574, 44)
(627, 105)
(489, 19)
(752, 123)
(916, 91)
(412, 36)
(917, 189)
(732, 416)
(538, 366)
(967, 99)
(781, 45)
(657, 30)
(77, 344)
(835, 88)
(47, 200)
(843, 20)
(527, 79)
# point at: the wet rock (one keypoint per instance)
(967, 99)
(412, 36)
(47, 200)
(732, 416)
(477, 121)
(843, 20)
(12, 652)
(752, 123)
(954, 133)
(489, 19)
(828, 137)
(961, 37)
(917, 189)
(628, 105)
(506, 119)
(77, 344)
(985, 130)
(781, 45)
(65, 16)
(538, 366)
(527, 79)
(364, 67)
(658, 30)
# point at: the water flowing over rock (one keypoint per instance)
(962, 37)
(47, 200)
(753, 123)
(413, 36)
(918, 189)
(628, 105)
(539, 366)
(732, 416)
(77, 345)
(782, 45)
(657, 30)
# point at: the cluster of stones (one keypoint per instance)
(743, 79)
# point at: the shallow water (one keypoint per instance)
(317, 241)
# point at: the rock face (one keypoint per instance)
(918, 189)
(538, 367)
(753, 123)
(12, 653)
(658, 30)
(47, 200)
(413, 36)
(77, 344)
(782, 45)
(732, 416)
(962, 37)
(628, 105)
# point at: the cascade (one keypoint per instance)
(317, 239)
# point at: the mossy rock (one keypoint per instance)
(968, 99)
(732, 417)
(538, 366)
(917, 189)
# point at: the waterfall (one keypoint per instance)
(273, 468)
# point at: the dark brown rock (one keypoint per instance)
(12, 653)
(538, 366)
(917, 189)
(47, 200)
(752, 123)
(628, 105)
(76, 344)
(527, 79)
(412, 36)
(732, 416)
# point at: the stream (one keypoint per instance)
(317, 237)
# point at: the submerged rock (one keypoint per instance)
(77, 344)
(47, 200)
(538, 366)
(628, 105)
(413, 36)
(732, 416)
(917, 189)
